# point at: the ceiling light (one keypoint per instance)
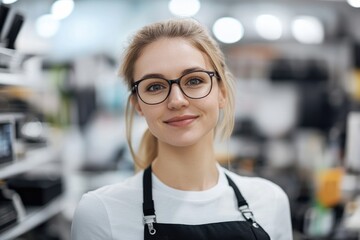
(47, 26)
(354, 3)
(307, 29)
(62, 8)
(228, 30)
(269, 27)
(8, 1)
(184, 8)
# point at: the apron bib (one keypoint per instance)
(231, 230)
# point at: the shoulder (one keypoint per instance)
(118, 190)
(120, 196)
(99, 209)
(256, 186)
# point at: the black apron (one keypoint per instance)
(231, 230)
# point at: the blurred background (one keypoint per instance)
(62, 131)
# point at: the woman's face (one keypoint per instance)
(179, 120)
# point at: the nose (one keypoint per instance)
(177, 99)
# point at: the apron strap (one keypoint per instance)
(240, 199)
(148, 204)
(242, 204)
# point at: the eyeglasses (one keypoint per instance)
(155, 90)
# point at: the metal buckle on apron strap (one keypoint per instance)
(248, 215)
(150, 220)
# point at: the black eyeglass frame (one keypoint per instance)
(134, 86)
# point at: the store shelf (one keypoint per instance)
(10, 72)
(33, 159)
(12, 79)
(33, 218)
(11, 115)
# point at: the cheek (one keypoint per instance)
(151, 115)
(210, 105)
(148, 115)
(214, 100)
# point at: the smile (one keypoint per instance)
(181, 121)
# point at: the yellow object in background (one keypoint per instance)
(356, 85)
(329, 183)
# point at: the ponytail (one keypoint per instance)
(148, 149)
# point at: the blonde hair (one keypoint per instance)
(198, 36)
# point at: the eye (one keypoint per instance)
(155, 87)
(194, 81)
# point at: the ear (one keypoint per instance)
(134, 101)
(222, 95)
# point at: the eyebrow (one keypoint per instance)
(158, 75)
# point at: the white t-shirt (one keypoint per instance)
(115, 211)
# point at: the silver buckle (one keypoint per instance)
(150, 220)
(248, 215)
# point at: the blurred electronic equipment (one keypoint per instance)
(11, 207)
(298, 71)
(33, 131)
(6, 140)
(315, 110)
(310, 78)
(352, 143)
(10, 26)
(4, 11)
(36, 190)
(14, 30)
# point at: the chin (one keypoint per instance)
(180, 142)
(183, 144)
(186, 140)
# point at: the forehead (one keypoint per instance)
(169, 57)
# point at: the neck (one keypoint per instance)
(191, 168)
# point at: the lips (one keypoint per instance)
(181, 120)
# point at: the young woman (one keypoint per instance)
(181, 86)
